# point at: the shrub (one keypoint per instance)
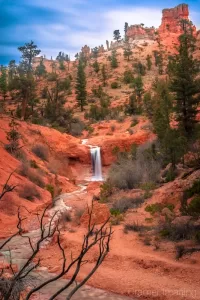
(130, 171)
(115, 212)
(29, 192)
(130, 131)
(50, 189)
(194, 206)
(114, 85)
(78, 214)
(128, 77)
(32, 175)
(171, 175)
(116, 219)
(76, 128)
(21, 155)
(158, 207)
(195, 189)
(41, 151)
(52, 77)
(112, 127)
(134, 123)
(66, 217)
(134, 227)
(122, 205)
(106, 191)
(33, 164)
(148, 187)
(90, 129)
(120, 118)
(154, 208)
(147, 241)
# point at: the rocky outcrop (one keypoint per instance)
(139, 32)
(171, 18)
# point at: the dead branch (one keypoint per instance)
(7, 188)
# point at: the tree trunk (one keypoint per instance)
(24, 105)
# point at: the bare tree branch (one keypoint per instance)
(93, 237)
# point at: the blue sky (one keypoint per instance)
(67, 25)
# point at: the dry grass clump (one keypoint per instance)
(32, 174)
(41, 151)
(29, 192)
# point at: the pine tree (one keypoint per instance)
(104, 74)
(138, 87)
(95, 52)
(184, 82)
(81, 86)
(13, 137)
(3, 83)
(12, 70)
(26, 82)
(114, 62)
(131, 108)
(96, 66)
(149, 62)
(127, 51)
(40, 69)
(61, 65)
(29, 51)
(147, 100)
(117, 35)
(172, 143)
(140, 69)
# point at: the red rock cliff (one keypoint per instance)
(171, 18)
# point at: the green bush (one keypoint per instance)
(195, 189)
(194, 206)
(52, 77)
(134, 123)
(105, 191)
(154, 208)
(114, 85)
(33, 164)
(128, 77)
(170, 176)
(90, 129)
(50, 189)
(115, 212)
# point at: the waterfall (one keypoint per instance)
(96, 164)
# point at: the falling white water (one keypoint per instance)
(96, 164)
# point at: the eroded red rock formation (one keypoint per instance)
(137, 32)
(171, 18)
